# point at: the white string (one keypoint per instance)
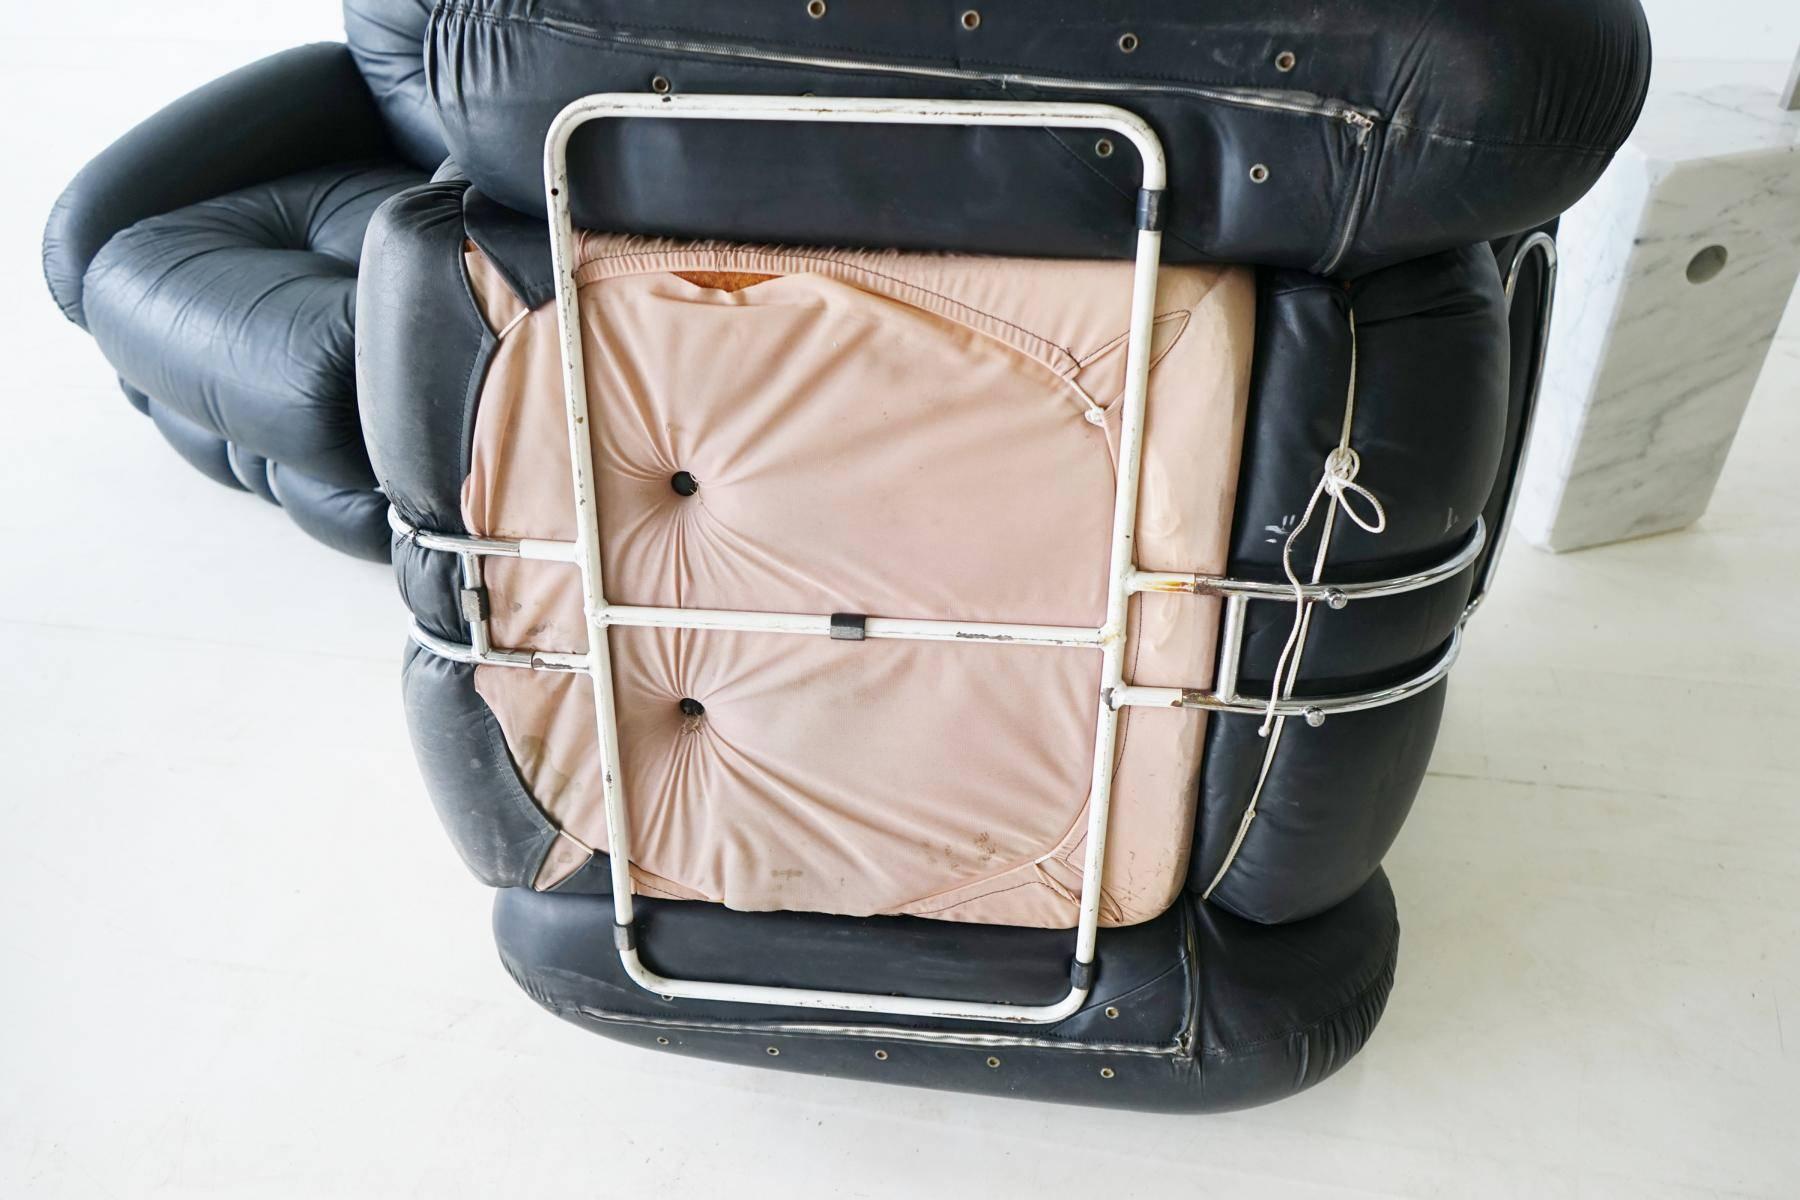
(1337, 482)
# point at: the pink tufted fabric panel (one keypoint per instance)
(894, 434)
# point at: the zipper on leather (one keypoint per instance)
(1360, 120)
(1296, 102)
(1363, 126)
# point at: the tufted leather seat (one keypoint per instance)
(212, 252)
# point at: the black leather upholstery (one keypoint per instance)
(212, 252)
(269, 271)
(1368, 140)
(1196, 1011)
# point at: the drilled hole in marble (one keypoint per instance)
(1707, 264)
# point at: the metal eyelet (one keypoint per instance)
(1284, 62)
(660, 84)
(774, 1053)
(1128, 42)
(1106, 1072)
(662, 1041)
(993, 1062)
(1259, 173)
(971, 19)
(881, 1056)
(815, 8)
(1104, 147)
(1112, 1013)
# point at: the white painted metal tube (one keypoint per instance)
(909, 629)
(1110, 637)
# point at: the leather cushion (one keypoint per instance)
(386, 39)
(236, 312)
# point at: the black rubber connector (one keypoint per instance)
(849, 627)
(624, 937)
(684, 483)
(1081, 974)
(691, 707)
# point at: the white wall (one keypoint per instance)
(1764, 29)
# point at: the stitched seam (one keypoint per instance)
(836, 264)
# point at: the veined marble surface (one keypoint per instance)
(1649, 370)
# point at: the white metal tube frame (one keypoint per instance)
(1124, 578)
(1108, 638)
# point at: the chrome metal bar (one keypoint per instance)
(1223, 696)
(1333, 595)
(462, 652)
(1231, 645)
(1537, 243)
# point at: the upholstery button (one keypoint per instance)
(691, 707)
(684, 483)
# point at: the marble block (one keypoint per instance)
(1675, 272)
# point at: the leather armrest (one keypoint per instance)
(301, 108)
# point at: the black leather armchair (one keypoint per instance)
(212, 252)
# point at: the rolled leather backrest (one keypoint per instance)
(387, 40)
(1334, 139)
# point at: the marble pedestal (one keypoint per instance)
(1675, 272)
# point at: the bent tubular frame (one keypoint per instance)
(1544, 244)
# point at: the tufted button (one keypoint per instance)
(684, 483)
(691, 707)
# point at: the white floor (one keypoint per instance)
(238, 958)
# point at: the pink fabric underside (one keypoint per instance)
(900, 435)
